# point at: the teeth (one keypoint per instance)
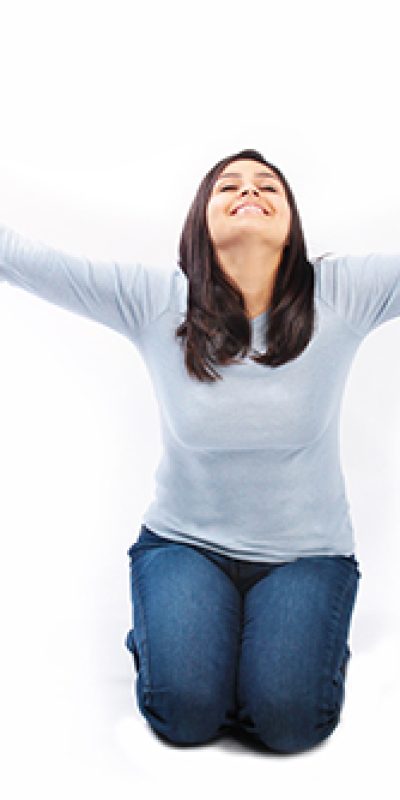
(249, 209)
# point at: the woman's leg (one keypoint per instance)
(185, 639)
(294, 652)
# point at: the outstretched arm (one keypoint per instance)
(125, 297)
(364, 290)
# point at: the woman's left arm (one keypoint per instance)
(364, 290)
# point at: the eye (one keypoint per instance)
(234, 187)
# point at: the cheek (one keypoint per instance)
(214, 213)
(288, 217)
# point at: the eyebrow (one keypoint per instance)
(257, 175)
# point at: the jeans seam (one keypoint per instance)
(144, 665)
(339, 609)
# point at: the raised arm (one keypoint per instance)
(363, 290)
(122, 296)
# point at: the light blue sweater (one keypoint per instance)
(251, 464)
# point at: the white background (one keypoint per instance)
(111, 113)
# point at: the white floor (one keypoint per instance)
(68, 732)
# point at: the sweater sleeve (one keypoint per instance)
(363, 290)
(122, 296)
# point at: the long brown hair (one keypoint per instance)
(216, 328)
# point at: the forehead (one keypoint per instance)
(247, 167)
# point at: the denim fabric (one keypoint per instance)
(223, 645)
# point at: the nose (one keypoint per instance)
(247, 189)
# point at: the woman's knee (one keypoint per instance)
(183, 717)
(293, 725)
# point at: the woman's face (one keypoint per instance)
(250, 182)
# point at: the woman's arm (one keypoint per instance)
(125, 297)
(364, 290)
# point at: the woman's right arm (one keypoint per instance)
(122, 296)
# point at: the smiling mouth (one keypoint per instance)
(249, 209)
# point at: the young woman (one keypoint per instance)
(243, 575)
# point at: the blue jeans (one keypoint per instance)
(222, 645)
